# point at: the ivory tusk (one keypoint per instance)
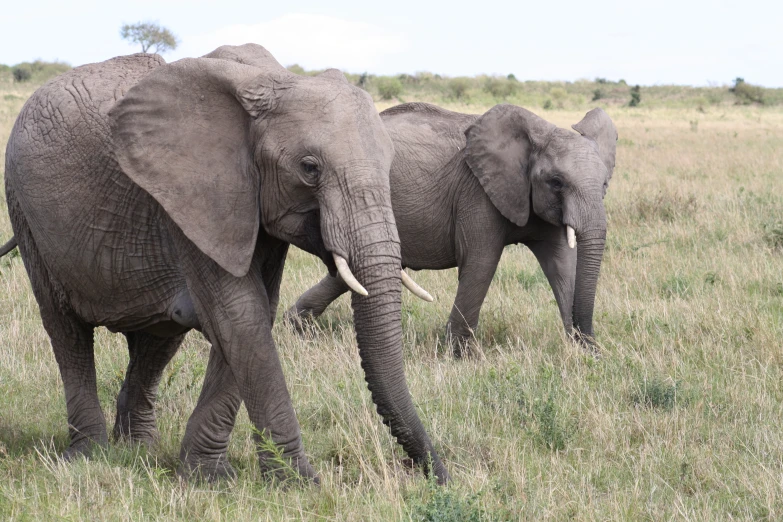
(571, 235)
(415, 289)
(345, 273)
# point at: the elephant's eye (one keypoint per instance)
(311, 169)
(555, 183)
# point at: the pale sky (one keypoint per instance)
(646, 42)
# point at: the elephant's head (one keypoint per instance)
(527, 164)
(232, 142)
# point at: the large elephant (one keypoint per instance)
(463, 187)
(155, 198)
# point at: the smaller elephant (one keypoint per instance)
(464, 186)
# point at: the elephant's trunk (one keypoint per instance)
(375, 261)
(590, 240)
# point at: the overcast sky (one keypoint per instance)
(692, 42)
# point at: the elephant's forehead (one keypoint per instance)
(568, 150)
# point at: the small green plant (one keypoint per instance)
(547, 105)
(655, 393)
(276, 467)
(598, 94)
(773, 234)
(676, 286)
(444, 505)
(552, 431)
(636, 96)
(389, 87)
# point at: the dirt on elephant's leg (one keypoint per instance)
(148, 357)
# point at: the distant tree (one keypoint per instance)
(511, 77)
(149, 35)
(636, 96)
(747, 93)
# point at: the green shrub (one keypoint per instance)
(547, 105)
(296, 69)
(598, 94)
(773, 234)
(747, 93)
(38, 71)
(552, 431)
(458, 87)
(444, 505)
(511, 77)
(558, 95)
(389, 87)
(500, 88)
(655, 393)
(22, 72)
(636, 96)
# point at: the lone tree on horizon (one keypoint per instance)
(150, 35)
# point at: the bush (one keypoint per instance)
(747, 93)
(636, 96)
(598, 94)
(559, 96)
(655, 393)
(296, 69)
(511, 77)
(458, 87)
(547, 105)
(38, 71)
(500, 88)
(22, 72)
(389, 87)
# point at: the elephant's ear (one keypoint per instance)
(499, 146)
(182, 134)
(598, 126)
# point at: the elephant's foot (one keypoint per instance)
(84, 447)
(462, 344)
(586, 343)
(209, 470)
(135, 428)
(286, 469)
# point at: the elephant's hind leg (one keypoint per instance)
(149, 356)
(72, 343)
(314, 302)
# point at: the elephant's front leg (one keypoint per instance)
(235, 317)
(148, 357)
(558, 262)
(314, 302)
(478, 253)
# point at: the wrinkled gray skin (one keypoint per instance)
(156, 198)
(463, 187)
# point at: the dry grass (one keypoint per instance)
(680, 418)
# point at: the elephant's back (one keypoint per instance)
(65, 122)
(425, 178)
(89, 221)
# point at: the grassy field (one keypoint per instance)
(680, 418)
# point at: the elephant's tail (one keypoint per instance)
(8, 247)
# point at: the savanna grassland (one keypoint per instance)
(679, 418)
